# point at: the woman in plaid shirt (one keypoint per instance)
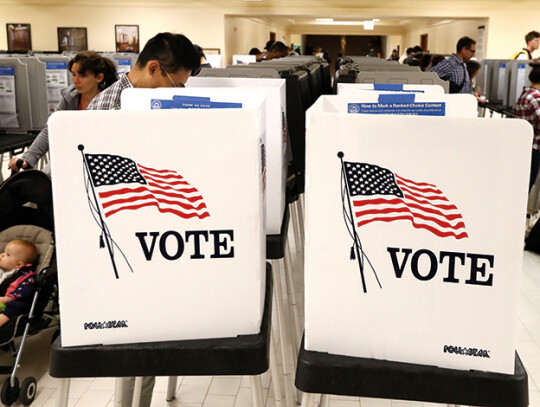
(528, 107)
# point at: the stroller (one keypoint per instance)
(26, 213)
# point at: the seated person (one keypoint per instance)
(17, 282)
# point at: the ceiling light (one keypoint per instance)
(376, 19)
(324, 20)
(369, 25)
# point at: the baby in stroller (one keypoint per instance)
(17, 282)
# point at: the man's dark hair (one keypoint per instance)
(417, 48)
(254, 51)
(409, 50)
(531, 36)
(464, 42)
(534, 75)
(173, 51)
(278, 46)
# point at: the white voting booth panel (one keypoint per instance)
(415, 255)
(270, 121)
(393, 103)
(182, 204)
(346, 89)
(276, 137)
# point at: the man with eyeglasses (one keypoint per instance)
(167, 60)
(454, 69)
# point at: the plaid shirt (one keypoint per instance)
(109, 99)
(528, 107)
(455, 70)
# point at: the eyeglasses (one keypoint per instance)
(173, 83)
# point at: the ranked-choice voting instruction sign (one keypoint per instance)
(414, 238)
(393, 103)
(159, 224)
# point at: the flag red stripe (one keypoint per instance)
(166, 181)
(184, 190)
(450, 216)
(417, 225)
(421, 184)
(162, 210)
(438, 221)
(159, 171)
(151, 196)
(123, 191)
(419, 196)
(432, 208)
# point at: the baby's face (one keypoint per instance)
(12, 257)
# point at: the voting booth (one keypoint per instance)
(276, 136)
(159, 224)
(414, 237)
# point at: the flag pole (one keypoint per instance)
(356, 238)
(103, 228)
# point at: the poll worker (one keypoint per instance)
(532, 39)
(528, 108)
(454, 69)
(166, 60)
(92, 73)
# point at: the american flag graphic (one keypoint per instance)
(380, 195)
(166, 190)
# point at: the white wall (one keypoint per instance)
(242, 34)
(442, 39)
(203, 26)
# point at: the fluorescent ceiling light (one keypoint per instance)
(376, 19)
(369, 25)
(341, 22)
(325, 20)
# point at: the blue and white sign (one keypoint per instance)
(399, 104)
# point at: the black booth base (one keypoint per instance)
(242, 355)
(324, 373)
(15, 143)
(275, 244)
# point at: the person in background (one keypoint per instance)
(394, 56)
(527, 107)
(435, 60)
(258, 54)
(293, 51)
(415, 54)
(402, 58)
(204, 62)
(454, 69)
(277, 50)
(532, 39)
(269, 43)
(92, 73)
(473, 68)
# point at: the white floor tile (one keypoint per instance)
(371, 402)
(95, 398)
(225, 386)
(192, 393)
(219, 401)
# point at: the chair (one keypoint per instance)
(241, 355)
(319, 372)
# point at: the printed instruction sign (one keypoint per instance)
(57, 79)
(8, 101)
